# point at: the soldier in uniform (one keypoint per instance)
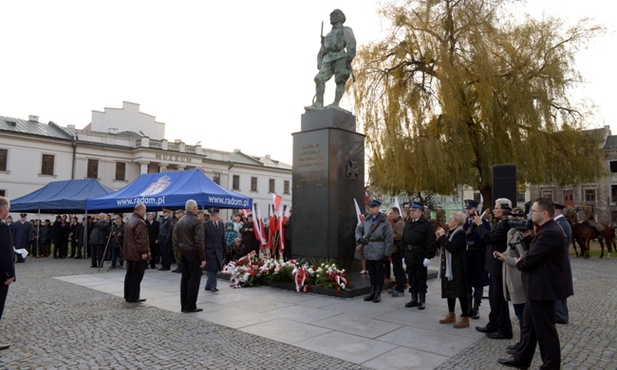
(337, 51)
(419, 247)
(477, 278)
(374, 238)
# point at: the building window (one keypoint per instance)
(614, 193)
(2, 193)
(613, 166)
(253, 183)
(590, 195)
(568, 198)
(547, 194)
(520, 197)
(271, 188)
(216, 177)
(120, 171)
(4, 154)
(47, 167)
(286, 187)
(235, 182)
(93, 169)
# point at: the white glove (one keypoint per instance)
(426, 262)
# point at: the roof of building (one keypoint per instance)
(611, 142)
(50, 129)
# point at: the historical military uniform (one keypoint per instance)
(419, 247)
(374, 235)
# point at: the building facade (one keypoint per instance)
(119, 145)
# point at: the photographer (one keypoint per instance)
(499, 325)
(517, 247)
(115, 242)
(477, 278)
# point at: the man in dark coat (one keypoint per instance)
(153, 236)
(419, 247)
(249, 239)
(477, 278)
(98, 240)
(136, 251)
(561, 306)
(7, 268)
(189, 231)
(214, 238)
(165, 245)
(45, 239)
(543, 274)
(22, 235)
(499, 325)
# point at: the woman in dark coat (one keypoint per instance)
(452, 269)
(248, 235)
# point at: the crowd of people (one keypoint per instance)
(521, 256)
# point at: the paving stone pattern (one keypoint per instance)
(52, 324)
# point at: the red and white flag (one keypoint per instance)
(277, 199)
(359, 214)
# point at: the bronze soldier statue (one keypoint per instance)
(338, 49)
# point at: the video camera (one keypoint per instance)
(519, 224)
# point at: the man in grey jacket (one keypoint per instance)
(374, 238)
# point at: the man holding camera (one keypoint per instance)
(477, 278)
(544, 282)
(499, 325)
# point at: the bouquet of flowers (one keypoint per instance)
(250, 270)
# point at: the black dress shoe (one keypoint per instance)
(511, 362)
(485, 329)
(214, 289)
(512, 346)
(136, 300)
(193, 310)
(163, 269)
(498, 335)
(4, 346)
(511, 351)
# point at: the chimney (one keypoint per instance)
(33, 118)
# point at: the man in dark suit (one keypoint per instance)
(165, 245)
(214, 240)
(189, 235)
(544, 282)
(22, 235)
(153, 235)
(499, 325)
(561, 307)
(7, 268)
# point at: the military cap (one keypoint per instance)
(470, 203)
(374, 203)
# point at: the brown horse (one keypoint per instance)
(583, 233)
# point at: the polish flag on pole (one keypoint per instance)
(396, 205)
(276, 199)
(282, 220)
(258, 228)
(358, 213)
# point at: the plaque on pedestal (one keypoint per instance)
(328, 174)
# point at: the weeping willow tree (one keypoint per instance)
(458, 86)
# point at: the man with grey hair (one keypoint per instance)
(7, 268)
(98, 239)
(499, 325)
(189, 234)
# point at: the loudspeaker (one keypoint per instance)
(504, 182)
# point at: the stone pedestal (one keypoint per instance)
(328, 174)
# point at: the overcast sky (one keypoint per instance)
(231, 74)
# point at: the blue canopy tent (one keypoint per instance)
(68, 196)
(169, 190)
